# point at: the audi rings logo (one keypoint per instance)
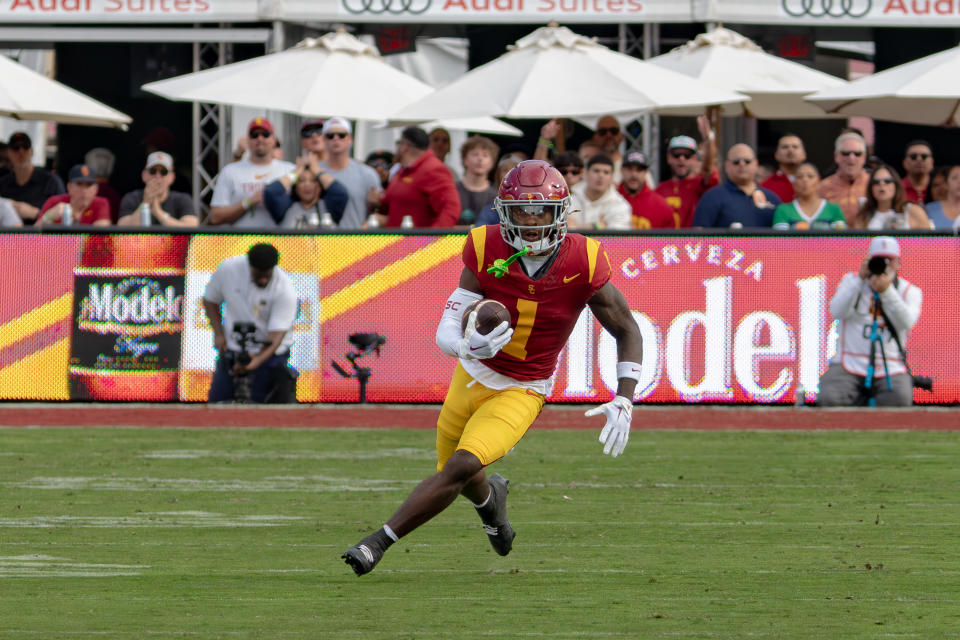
(378, 7)
(827, 8)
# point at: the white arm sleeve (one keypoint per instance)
(449, 333)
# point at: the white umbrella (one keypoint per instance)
(924, 91)
(556, 72)
(334, 75)
(725, 58)
(28, 95)
(484, 124)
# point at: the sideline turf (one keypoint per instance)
(170, 533)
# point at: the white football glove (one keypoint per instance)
(616, 432)
(477, 346)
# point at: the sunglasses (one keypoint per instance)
(682, 154)
(19, 147)
(572, 171)
(312, 131)
(379, 164)
(851, 153)
(253, 135)
(608, 131)
(883, 181)
(919, 156)
(154, 171)
(739, 161)
(336, 134)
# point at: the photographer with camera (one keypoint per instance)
(253, 334)
(876, 309)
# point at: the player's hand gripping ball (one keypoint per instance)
(486, 329)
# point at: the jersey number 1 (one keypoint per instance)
(521, 332)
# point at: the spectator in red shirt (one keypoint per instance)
(684, 188)
(650, 210)
(789, 155)
(423, 188)
(918, 165)
(86, 206)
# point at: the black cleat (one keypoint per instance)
(498, 527)
(364, 556)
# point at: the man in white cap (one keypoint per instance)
(876, 294)
(362, 182)
(167, 208)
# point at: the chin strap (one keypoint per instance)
(501, 266)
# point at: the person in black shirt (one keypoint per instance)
(27, 186)
(167, 208)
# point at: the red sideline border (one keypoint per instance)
(391, 416)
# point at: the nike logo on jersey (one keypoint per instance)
(567, 279)
(261, 176)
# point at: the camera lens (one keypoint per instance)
(878, 265)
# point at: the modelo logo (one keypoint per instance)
(131, 305)
(394, 7)
(827, 8)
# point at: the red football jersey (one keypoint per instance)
(543, 312)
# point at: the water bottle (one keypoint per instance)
(326, 221)
(67, 218)
(310, 220)
(407, 222)
(145, 218)
(373, 221)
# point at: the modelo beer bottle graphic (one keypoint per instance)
(127, 318)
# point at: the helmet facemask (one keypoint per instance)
(516, 227)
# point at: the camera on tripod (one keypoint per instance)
(245, 335)
(363, 343)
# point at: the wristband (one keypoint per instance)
(543, 142)
(245, 203)
(628, 370)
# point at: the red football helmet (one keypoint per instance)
(533, 188)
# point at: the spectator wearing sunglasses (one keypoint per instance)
(609, 137)
(739, 202)
(686, 186)
(238, 195)
(886, 206)
(848, 186)
(311, 140)
(570, 166)
(381, 161)
(26, 186)
(167, 208)
(361, 182)
(918, 165)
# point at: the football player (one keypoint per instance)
(545, 277)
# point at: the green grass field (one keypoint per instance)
(175, 533)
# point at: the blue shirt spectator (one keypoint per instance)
(739, 201)
(312, 194)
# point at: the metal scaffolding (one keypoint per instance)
(211, 128)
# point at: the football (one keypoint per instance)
(490, 314)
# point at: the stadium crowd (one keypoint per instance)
(414, 186)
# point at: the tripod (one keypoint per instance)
(876, 340)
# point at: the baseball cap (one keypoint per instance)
(81, 173)
(374, 156)
(682, 142)
(20, 138)
(160, 158)
(637, 159)
(884, 246)
(337, 123)
(315, 123)
(260, 123)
